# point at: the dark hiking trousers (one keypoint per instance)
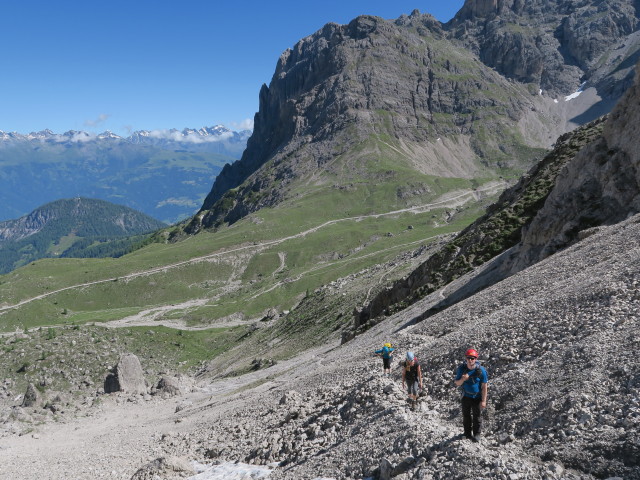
(471, 418)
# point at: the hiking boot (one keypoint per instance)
(476, 438)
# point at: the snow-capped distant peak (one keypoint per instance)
(215, 133)
(109, 134)
(187, 135)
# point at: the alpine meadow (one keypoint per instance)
(445, 188)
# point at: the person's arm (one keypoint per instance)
(460, 379)
(419, 376)
(404, 373)
(484, 389)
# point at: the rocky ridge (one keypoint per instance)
(594, 182)
(439, 92)
(367, 90)
(600, 186)
(554, 44)
(493, 233)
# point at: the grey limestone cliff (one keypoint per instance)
(556, 44)
(401, 82)
(601, 186)
(451, 99)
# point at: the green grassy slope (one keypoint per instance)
(268, 260)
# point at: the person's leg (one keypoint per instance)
(411, 393)
(477, 417)
(466, 416)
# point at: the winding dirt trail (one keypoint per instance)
(450, 200)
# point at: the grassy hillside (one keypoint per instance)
(270, 260)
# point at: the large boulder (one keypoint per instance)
(126, 377)
(169, 386)
(31, 397)
(165, 467)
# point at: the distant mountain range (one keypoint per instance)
(164, 173)
(217, 139)
(78, 227)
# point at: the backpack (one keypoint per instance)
(477, 372)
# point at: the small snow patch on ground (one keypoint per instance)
(576, 94)
(230, 471)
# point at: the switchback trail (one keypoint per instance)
(448, 201)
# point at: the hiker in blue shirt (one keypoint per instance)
(386, 352)
(473, 379)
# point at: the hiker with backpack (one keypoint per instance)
(412, 378)
(473, 379)
(386, 352)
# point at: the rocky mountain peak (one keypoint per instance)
(556, 44)
(476, 9)
(344, 85)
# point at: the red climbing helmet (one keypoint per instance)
(471, 353)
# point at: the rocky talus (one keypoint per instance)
(564, 396)
(557, 340)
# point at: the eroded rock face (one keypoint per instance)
(553, 43)
(601, 186)
(348, 83)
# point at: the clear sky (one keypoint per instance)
(125, 65)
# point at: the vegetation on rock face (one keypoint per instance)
(495, 232)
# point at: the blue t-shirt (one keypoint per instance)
(471, 386)
(386, 352)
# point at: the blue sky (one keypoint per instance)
(148, 65)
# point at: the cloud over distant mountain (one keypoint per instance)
(103, 117)
(189, 136)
